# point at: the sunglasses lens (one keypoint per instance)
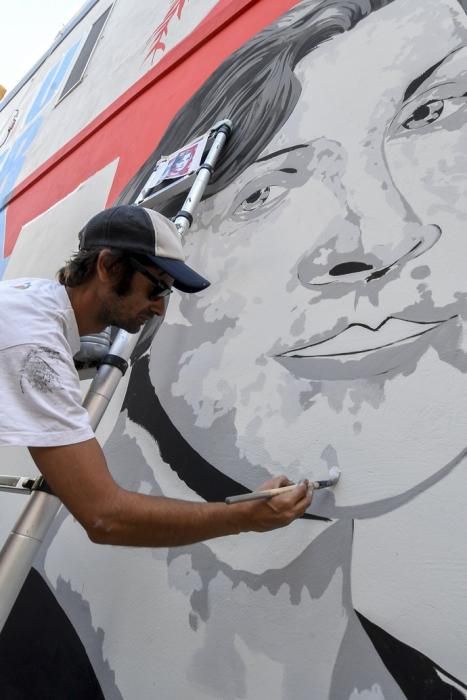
(159, 291)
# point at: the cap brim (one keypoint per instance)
(185, 279)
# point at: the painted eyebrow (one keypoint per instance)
(415, 84)
(281, 151)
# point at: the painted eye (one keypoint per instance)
(255, 200)
(424, 115)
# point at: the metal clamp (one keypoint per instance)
(18, 484)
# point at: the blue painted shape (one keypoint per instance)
(10, 168)
(3, 264)
(51, 84)
(12, 161)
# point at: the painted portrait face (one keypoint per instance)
(333, 330)
(182, 160)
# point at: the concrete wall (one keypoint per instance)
(332, 335)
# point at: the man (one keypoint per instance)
(129, 260)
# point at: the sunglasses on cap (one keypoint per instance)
(159, 289)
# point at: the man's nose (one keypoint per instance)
(373, 230)
(158, 306)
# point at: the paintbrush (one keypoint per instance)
(334, 474)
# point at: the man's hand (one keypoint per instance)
(271, 513)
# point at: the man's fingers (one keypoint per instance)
(294, 502)
(305, 502)
(278, 510)
(292, 497)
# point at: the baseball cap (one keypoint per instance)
(147, 233)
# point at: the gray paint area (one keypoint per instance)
(333, 334)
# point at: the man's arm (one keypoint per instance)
(79, 477)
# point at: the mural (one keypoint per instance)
(332, 335)
(156, 42)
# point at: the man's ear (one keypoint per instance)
(108, 268)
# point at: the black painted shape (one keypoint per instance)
(349, 268)
(379, 273)
(207, 481)
(415, 673)
(41, 656)
(415, 84)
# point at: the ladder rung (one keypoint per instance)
(22, 484)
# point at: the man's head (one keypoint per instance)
(129, 257)
(147, 234)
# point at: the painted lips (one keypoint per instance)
(360, 351)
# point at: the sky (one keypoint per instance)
(29, 27)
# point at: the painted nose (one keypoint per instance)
(349, 268)
(344, 260)
(371, 229)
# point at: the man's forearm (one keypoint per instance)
(135, 519)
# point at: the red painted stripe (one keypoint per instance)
(133, 124)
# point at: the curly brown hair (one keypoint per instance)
(81, 267)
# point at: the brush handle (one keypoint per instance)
(255, 495)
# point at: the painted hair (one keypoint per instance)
(255, 87)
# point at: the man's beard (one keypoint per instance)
(110, 316)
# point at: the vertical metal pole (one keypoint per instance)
(185, 215)
(21, 546)
(20, 549)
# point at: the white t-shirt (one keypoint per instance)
(40, 398)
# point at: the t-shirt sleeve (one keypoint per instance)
(41, 399)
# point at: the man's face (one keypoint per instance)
(333, 332)
(132, 309)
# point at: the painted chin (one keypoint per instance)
(362, 500)
(359, 353)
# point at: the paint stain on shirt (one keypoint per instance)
(37, 370)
